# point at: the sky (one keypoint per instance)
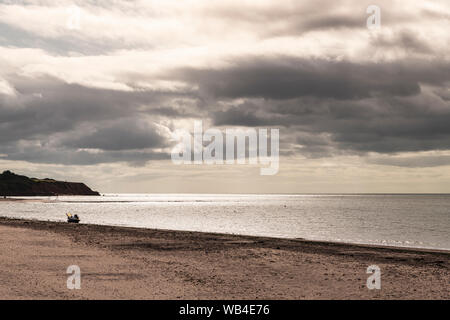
(93, 91)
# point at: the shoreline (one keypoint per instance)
(324, 242)
(256, 237)
(137, 263)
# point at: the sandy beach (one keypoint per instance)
(131, 263)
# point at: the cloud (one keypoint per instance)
(6, 88)
(285, 77)
(66, 156)
(379, 124)
(125, 134)
(420, 160)
(113, 90)
(54, 122)
(403, 40)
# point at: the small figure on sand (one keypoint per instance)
(72, 218)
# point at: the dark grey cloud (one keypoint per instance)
(322, 107)
(404, 40)
(49, 121)
(46, 106)
(360, 108)
(302, 24)
(247, 114)
(382, 124)
(286, 78)
(126, 134)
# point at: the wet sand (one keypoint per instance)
(131, 263)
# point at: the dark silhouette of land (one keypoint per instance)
(12, 184)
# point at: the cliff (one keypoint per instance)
(12, 184)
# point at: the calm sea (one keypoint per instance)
(421, 221)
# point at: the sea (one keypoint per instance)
(405, 220)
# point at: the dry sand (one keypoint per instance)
(130, 263)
